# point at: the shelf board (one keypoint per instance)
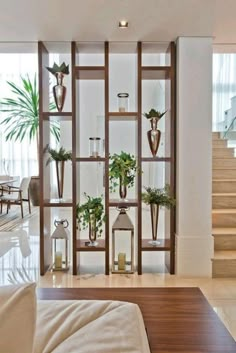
(80, 245)
(90, 72)
(156, 72)
(156, 159)
(123, 116)
(164, 246)
(90, 159)
(57, 203)
(57, 115)
(119, 203)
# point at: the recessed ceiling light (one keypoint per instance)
(123, 24)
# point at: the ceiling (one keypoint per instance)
(95, 20)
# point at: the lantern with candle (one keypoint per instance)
(60, 239)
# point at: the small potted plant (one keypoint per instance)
(156, 198)
(123, 167)
(91, 215)
(59, 91)
(154, 135)
(60, 157)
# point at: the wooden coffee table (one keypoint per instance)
(176, 319)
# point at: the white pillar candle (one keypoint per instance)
(121, 261)
(58, 259)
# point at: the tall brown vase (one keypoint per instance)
(154, 209)
(92, 231)
(60, 165)
(154, 136)
(122, 189)
(59, 91)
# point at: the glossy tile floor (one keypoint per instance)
(19, 261)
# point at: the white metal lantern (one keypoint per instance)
(60, 254)
(122, 223)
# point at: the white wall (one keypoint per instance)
(194, 243)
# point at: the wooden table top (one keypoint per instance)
(176, 319)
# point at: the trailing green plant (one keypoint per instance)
(123, 166)
(58, 155)
(154, 114)
(159, 197)
(91, 210)
(23, 112)
(63, 68)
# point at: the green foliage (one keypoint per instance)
(123, 166)
(154, 114)
(23, 111)
(58, 155)
(56, 68)
(92, 210)
(160, 197)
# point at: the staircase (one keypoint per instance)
(223, 208)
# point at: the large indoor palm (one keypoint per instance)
(23, 112)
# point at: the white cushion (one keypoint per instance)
(17, 318)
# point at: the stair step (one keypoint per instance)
(224, 264)
(224, 238)
(223, 185)
(224, 174)
(223, 152)
(219, 143)
(224, 163)
(224, 218)
(215, 135)
(224, 200)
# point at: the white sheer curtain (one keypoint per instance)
(16, 158)
(224, 86)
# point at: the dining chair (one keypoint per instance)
(16, 195)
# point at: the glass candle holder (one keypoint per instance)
(123, 102)
(94, 146)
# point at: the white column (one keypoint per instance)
(194, 242)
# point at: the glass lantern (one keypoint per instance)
(122, 223)
(123, 102)
(60, 251)
(94, 147)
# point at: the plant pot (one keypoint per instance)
(34, 190)
(60, 165)
(154, 209)
(122, 188)
(154, 136)
(92, 230)
(59, 91)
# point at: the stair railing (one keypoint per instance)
(229, 128)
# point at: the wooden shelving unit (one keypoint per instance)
(81, 73)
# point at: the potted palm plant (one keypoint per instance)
(154, 135)
(22, 120)
(156, 198)
(91, 215)
(60, 157)
(59, 91)
(123, 167)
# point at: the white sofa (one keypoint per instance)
(84, 326)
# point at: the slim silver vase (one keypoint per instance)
(154, 208)
(59, 91)
(92, 230)
(122, 188)
(60, 165)
(154, 136)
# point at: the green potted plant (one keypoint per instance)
(123, 167)
(156, 198)
(90, 214)
(154, 135)
(22, 120)
(60, 156)
(59, 91)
